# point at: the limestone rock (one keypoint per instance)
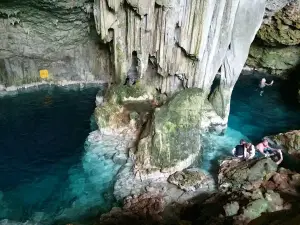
(185, 42)
(290, 141)
(284, 28)
(274, 60)
(120, 102)
(173, 139)
(52, 35)
(188, 180)
(254, 210)
(249, 175)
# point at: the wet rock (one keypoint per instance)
(189, 179)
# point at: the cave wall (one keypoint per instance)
(53, 35)
(185, 42)
(276, 49)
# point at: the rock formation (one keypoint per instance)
(256, 192)
(276, 49)
(185, 42)
(54, 35)
(289, 141)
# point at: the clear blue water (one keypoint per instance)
(253, 117)
(46, 174)
(49, 173)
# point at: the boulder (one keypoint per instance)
(173, 138)
(119, 104)
(189, 179)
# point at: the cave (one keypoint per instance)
(129, 112)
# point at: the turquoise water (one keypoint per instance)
(253, 116)
(46, 174)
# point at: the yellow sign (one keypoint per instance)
(44, 74)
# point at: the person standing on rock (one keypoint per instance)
(263, 83)
(240, 150)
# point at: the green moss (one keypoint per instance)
(176, 129)
(275, 60)
(116, 94)
(103, 114)
(284, 30)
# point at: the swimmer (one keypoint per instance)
(263, 83)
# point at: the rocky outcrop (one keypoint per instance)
(246, 175)
(189, 179)
(276, 49)
(283, 28)
(143, 209)
(185, 42)
(290, 141)
(54, 35)
(264, 192)
(277, 60)
(173, 140)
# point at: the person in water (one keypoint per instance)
(264, 148)
(263, 83)
(240, 150)
(250, 150)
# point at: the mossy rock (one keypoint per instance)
(113, 113)
(284, 28)
(175, 131)
(275, 60)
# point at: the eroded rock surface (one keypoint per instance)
(290, 141)
(54, 35)
(249, 175)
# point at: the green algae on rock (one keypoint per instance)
(113, 112)
(284, 29)
(275, 60)
(174, 134)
